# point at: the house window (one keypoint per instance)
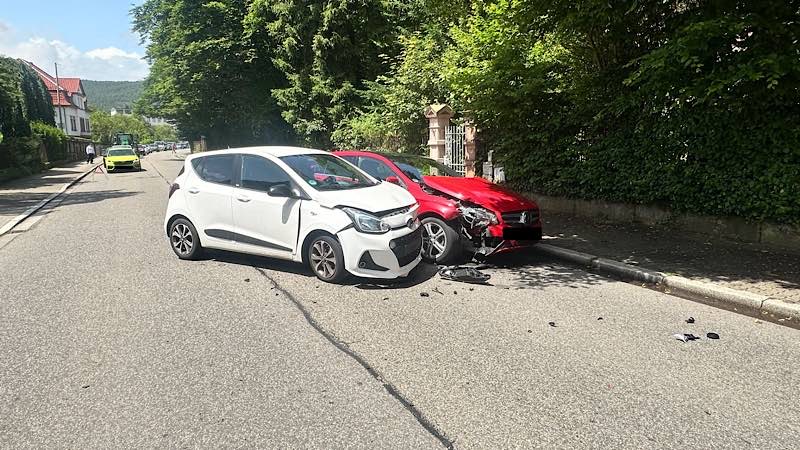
(72, 123)
(88, 130)
(83, 125)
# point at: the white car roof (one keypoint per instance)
(276, 151)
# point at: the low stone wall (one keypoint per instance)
(781, 236)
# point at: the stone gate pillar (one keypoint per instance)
(438, 119)
(470, 149)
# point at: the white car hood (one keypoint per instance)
(381, 197)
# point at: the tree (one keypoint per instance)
(164, 133)
(23, 99)
(327, 50)
(105, 127)
(203, 73)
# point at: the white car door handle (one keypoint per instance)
(242, 198)
(193, 190)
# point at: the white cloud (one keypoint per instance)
(109, 63)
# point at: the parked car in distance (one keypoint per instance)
(121, 157)
(456, 212)
(297, 204)
(160, 145)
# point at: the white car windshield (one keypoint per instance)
(326, 172)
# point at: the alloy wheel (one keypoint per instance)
(434, 240)
(323, 259)
(182, 239)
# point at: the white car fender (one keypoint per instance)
(314, 217)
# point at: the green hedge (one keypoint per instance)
(717, 161)
(20, 157)
(55, 141)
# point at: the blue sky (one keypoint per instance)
(92, 39)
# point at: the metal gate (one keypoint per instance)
(454, 151)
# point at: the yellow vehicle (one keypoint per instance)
(121, 157)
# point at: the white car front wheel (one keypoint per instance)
(326, 259)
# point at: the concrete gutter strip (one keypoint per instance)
(725, 295)
(782, 311)
(730, 298)
(628, 271)
(567, 254)
(30, 211)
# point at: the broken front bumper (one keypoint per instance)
(503, 239)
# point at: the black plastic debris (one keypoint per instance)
(552, 324)
(455, 292)
(685, 337)
(712, 335)
(599, 318)
(464, 274)
(437, 291)
(424, 294)
(247, 280)
(690, 320)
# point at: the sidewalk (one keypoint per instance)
(752, 268)
(17, 196)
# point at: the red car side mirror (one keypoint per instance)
(393, 179)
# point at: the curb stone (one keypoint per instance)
(30, 211)
(733, 299)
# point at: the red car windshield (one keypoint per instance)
(326, 172)
(416, 167)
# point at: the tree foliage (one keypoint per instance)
(692, 104)
(105, 127)
(202, 74)
(104, 95)
(23, 99)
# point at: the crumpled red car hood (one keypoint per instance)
(481, 192)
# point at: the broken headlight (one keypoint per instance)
(475, 216)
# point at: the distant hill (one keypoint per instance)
(104, 95)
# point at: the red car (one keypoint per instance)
(456, 211)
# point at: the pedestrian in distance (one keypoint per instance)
(89, 153)
(174, 148)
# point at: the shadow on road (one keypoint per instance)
(77, 198)
(768, 271)
(529, 269)
(420, 274)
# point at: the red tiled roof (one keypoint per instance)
(70, 84)
(64, 100)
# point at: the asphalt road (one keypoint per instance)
(107, 340)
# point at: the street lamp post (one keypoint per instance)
(58, 101)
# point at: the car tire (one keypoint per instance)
(184, 239)
(447, 245)
(326, 260)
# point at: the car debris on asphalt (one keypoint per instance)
(690, 320)
(685, 337)
(712, 335)
(464, 274)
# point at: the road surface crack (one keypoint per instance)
(344, 348)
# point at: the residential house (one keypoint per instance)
(69, 102)
(153, 121)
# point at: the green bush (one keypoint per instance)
(55, 141)
(20, 157)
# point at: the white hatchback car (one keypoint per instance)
(297, 204)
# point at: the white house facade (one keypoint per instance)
(69, 103)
